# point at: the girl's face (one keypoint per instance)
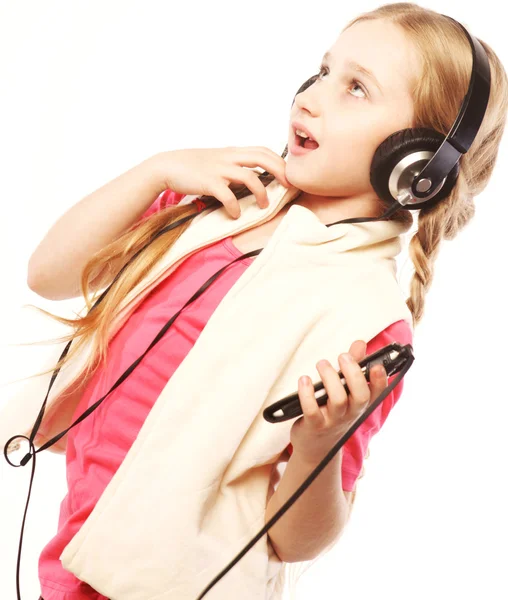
(349, 115)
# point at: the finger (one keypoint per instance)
(378, 382)
(337, 403)
(252, 181)
(259, 156)
(279, 165)
(358, 350)
(227, 198)
(311, 410)
(359, 392)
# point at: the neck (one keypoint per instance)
(332, 209)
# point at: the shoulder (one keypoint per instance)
(399, 332)
(166, 198)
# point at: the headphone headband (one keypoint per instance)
(465, 127)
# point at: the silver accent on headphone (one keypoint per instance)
(423, 185)
(403, 174)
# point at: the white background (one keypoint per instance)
(88, 90)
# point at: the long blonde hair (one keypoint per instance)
(437, 96)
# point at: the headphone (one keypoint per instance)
(396, 172)
(397, 176)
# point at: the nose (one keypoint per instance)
(304, 86)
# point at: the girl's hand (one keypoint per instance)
(209, 171)
(320, 428)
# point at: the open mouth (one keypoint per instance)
(306, 142)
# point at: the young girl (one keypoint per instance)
(348, 112)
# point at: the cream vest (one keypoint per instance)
(193, 489)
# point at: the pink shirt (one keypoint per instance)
(97, 446)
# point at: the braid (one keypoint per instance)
(442, 221)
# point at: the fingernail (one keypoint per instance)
(347, 357)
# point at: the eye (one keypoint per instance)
(324, 70)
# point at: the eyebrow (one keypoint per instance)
(356, 67)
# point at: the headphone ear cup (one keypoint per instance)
(399, 145)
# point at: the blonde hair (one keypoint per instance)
(437, 96)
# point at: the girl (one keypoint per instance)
(348, 111)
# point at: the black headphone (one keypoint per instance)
(397, 177)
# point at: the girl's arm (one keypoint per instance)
(316, 520)
(55, 267)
